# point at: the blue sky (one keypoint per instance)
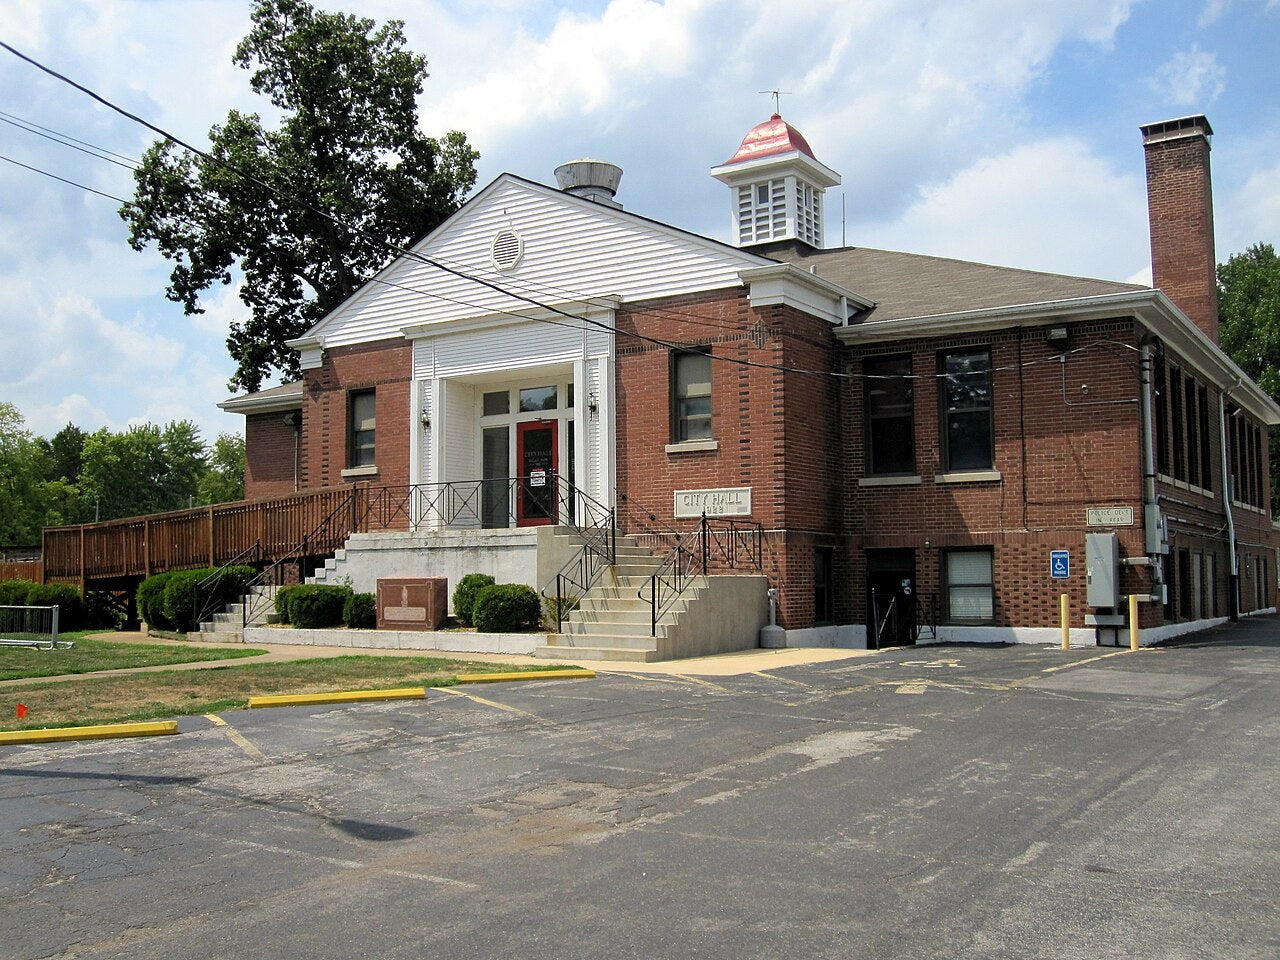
(1004, 131)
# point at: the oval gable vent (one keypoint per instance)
(506, 250)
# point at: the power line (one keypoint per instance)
(54, 176)
(67, 141)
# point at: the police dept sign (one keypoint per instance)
(726, 502)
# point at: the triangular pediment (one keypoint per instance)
(566, 249)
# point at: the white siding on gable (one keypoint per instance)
(573, 251)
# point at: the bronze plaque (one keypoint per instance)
(418, 603)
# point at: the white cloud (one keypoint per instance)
(1191, 78)
(1085, 219)
(1214, 10)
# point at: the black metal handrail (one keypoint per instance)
(891, 611)
(736, 543)
(272, 573)
(207, 592)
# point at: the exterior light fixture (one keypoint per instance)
(593, 405)
(1058, 336)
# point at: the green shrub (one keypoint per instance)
(13, 593)
(180, 599)
(464, 595)
(360, 611)
(150, 599)
(67, 599)
(314, 606)
(282, 601)
(184, 598)
(503, 607)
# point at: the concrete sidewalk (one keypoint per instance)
(720, 665)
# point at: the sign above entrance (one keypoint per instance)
(724, 502)
(1109, 516)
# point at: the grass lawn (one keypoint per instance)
(171, 693)
(91, 653)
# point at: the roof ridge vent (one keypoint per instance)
(595, 180)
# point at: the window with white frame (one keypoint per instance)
(970, 586)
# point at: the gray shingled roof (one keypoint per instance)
(915, 285)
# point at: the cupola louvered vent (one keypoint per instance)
(506, 250)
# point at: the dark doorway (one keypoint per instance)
(536, 456)
(891, 598)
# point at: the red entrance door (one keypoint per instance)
(536, 459)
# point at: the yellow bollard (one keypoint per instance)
(1066, 621)
(1133, 621)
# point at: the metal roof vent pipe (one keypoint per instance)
(596, 180)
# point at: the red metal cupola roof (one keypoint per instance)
(770, 138)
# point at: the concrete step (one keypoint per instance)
(615, 615)
(609, 638)
(619, 654)
(580, 629)
(628, 601)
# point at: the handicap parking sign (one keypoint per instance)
(1060, 564)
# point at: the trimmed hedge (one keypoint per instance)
(360, 611)
(167, 600)
(282, 601)
(13, 593)
(503, 607)
(150, 600)
(464, 595)
(313, 606)
(67, 599)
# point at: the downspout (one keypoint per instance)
(1227, 486)
(1150, 506)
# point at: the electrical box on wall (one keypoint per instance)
(1157, 533)
(1102, 569)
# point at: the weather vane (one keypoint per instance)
(777, 99)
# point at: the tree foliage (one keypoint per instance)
(347, 149)
(77, 477)
(1249, 326)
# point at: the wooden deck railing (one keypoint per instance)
(202, 537)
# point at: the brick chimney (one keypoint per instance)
(1180, 209)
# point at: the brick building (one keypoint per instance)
(915, 436)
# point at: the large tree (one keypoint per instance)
(1249, 326)
(305, 213)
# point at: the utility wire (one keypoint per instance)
(33, 126)
(60, 139)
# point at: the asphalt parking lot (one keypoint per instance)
(943, 801)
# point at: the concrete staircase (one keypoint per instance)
(228, 626)
(612, 621)
(329, 573)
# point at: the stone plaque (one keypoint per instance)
(723, 502)
(1109, 516)
(412, 604)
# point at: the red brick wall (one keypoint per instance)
(777, 433)
(1180, 211)
(269, 445)
(386, 367)
(1058, 450)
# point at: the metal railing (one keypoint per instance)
(896, 615)
(716, 543)
(467, 504)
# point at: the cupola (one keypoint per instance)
(776, 186)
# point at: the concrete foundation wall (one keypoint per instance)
(727, 615)
(516, 644)
(509, 556)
